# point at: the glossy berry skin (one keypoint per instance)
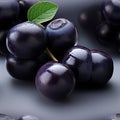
(28, 117)
(22, 69)
(102, 68)
(26, 40)
(91, 67)
(3, 48)
(61, 35)
(78, 58)
(55, 80)
(6, 117)
(9, 11)
(111, 11)
(24, 6)
(106, 34)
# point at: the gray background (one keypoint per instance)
(18, 98)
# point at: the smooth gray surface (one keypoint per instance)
(19, 98)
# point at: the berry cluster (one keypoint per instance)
(27, 43)
(103, 22)
(79, 67)
(109, 30)
(31, 50)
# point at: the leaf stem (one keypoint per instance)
(51, 55)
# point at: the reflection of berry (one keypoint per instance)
(28, 117)
(6, 117)
(113, 117)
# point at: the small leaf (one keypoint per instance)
(42, 12)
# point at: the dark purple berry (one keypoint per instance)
(26, 40)
(89, 18)
(111, 11)
(25, 69)
(106, 34)
(9, 11)
(55, 80)
(22, 69)
(102, 68)
(61, 35)
(24, 6)
(78, 58)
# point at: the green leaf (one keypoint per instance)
(42, 12)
